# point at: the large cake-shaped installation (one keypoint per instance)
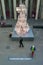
(22, 26)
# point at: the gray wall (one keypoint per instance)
(41, 9)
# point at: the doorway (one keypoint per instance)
(32, 9)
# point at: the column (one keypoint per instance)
(14, 7)
(26, 4)
(0, 11)
(31, 4)
(42, 12)
(20, 1)
(10, 7)
(37, 9)
(3, 9)
(41, 9)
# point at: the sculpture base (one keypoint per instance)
(28, 36)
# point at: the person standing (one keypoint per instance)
(33, 50)
(21, 44)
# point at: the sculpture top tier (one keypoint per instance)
(21, 8)
(22, 26)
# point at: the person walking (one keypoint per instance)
(21, 44)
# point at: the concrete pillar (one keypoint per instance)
(42, 13)
(0, 11)
(26, 4)
(20, 1)
(3, 9)
(37, 9)
(14, 7)
(10, 7)
(31, 3)
(41, 9)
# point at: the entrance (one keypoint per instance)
(7, 9)
(32, 8)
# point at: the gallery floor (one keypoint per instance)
(9, 48)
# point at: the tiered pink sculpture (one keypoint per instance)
(22, 26)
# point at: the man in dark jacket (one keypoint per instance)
(21, 44)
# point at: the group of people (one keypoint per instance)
(21, 45)
(32, 47)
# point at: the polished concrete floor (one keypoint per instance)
(9, 48)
